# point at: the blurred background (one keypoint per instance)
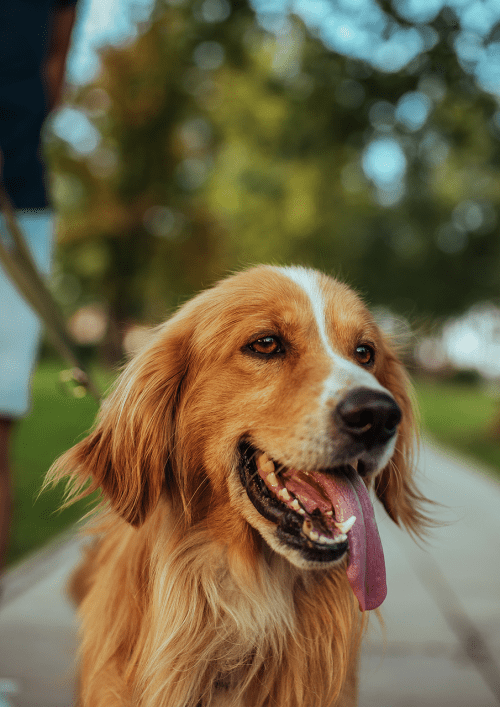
(360, 137)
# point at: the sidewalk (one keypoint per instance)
(423, 663)
(38, 628)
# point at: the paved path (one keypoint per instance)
(424, 662)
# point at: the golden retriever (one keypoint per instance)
(237, 550)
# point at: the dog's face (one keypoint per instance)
(296, 417)
(271, 401)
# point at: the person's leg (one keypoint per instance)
(19, 339)
(6, 426)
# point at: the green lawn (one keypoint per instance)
(56, 422)
(459, 416)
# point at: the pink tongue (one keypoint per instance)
(366, 566)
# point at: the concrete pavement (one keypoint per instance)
(38, 629)
(437, 598)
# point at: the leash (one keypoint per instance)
(22, 270)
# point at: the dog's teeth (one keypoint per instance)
(266, 465)
(346, 525)
(295, 505)
(328, 513)
(336, 540)
(283, 493)
(307, 529)
(272, 479)
(307, 526)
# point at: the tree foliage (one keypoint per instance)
(222, 143)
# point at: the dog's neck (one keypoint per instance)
(271, 630)
(232, 632)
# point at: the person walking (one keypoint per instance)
(34, 43)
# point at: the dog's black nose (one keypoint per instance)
(369, 415)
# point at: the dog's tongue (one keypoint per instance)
(366, 566)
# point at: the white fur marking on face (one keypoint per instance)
(308, 281)
(345, 373)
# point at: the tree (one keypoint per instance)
(222, 143)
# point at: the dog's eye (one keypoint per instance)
(365, 354)
(268, 345)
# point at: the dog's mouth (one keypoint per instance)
(323, 514)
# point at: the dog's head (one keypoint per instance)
(265, 407)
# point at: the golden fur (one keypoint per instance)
(183, 602)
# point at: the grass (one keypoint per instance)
(56, 422)
(462, 416)
(458, 416)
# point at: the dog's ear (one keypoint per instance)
(395, 485)
(126, 454)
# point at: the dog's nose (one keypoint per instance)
(369, 415)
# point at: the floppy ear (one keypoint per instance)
(127, 452)
(395, 485)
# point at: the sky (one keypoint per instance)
(351, 27)
(356, 28)
(102, 22)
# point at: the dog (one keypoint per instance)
(237, 554)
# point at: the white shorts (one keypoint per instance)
(19, 326)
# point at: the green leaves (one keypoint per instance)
(223, 144)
